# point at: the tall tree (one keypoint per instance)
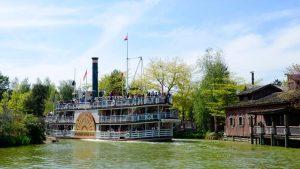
(66, 90)
(216, 90)
(4, 84)
(114, 83)
(164, 74)
(183, 98)
(35, 103)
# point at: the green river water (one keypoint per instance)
(177, 154)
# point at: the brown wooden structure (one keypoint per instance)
(266, 115)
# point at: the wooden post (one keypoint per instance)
(287, 130)
(251, 130)
(273, 132)
(262, 132)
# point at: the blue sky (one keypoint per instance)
(51, 38)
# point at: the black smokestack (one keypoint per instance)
(252, 77)
(95, 77)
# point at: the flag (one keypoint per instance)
(126, 38)
(85, 75)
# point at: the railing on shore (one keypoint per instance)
(114, 135)
(115, 102)
(137, 118)
(279, 130)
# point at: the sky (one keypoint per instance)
(53, 38)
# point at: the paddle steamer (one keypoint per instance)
(115, 117)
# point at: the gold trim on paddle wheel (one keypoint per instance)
(85, 125)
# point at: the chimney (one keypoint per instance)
(95, 77)
(252, 77)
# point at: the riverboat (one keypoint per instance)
(115, 117)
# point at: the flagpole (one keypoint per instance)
(86, 89)
(127, 73)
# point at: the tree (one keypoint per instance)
(4, 84)
(17, 102)
(293, 69)
(183, 99)
(216, 90)
(164, 75)
(138, 87)
(114, 83)
(66, 90)
(35, 104)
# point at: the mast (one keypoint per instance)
(127, 59)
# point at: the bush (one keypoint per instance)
(213, 136)
(36, 129)
(189, 134)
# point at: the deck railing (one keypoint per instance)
(115, 102)
(114, 135)
(280, 130)
(137, 118)
(57, 119)
(295, 130)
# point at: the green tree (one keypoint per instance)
(183, 98)
(4, 84)
(216, 90)
(164, 75)
(66, 90)
(113, 83)
(17, 102)
(35, 104)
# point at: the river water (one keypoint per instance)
(177, 154)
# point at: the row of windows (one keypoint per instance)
(232, 121)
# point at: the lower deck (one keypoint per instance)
(157, 134)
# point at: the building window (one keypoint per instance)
(231, 121)
(241, 120)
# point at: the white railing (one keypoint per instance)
(258, 130)
(57, 119)
(137, 118)
(61, 133)
(114, 135)
(115, 102)
(280, 130)
(295, 130)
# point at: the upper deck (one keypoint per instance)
(115, 102)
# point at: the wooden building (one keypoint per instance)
(266, 114)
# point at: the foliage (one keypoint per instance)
(295, 68)
(36, 129)
(4, 84)
(17, 101)
(35, 104)
(216, 90)
(65, 89)
(138, 87)
(183, 99)
(189, 134)
(113, 83)
(164, 75)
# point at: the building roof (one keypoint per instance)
(254, 89)
(275, 98)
